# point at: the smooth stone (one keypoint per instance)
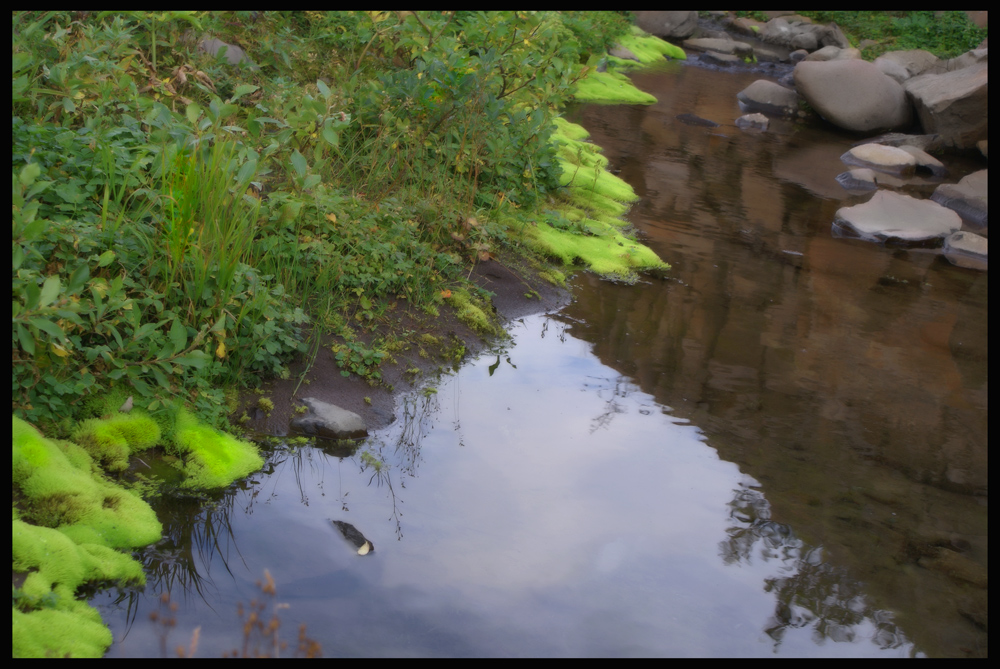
(889, 216)
(328, 421)
(882, 158)
(769, 98)
(968, 197)
(853, 94)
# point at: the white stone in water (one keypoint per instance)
(889, 216)
(880, 157)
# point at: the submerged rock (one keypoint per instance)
(967, 249)
(752, 122)
(356, 539)
(898, 218)
(691, 119)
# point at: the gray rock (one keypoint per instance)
(911, 63)
(853, 94)
(769, 98)
(618, 51)
(712, 44)
(892, 69)
(967, 249)
(860, 178)
(797, 55)
(328, 421)
(834, 53)
(922, 142)
(675, 25)
(968, 197)
(891, 217)
(882, 158)
(234, 54)
(752, 122)
(804, 40)
(954, 104)
(926, 161)
(721, 59)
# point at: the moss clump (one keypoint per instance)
(610, 88)
(265, 405)
(649, 49)
(586, 229)
(79, 519)
(63, 488)
(472, 312)
(212, 459)
(112, 440)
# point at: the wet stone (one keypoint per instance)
(883, 158)
(328, 421)
(898, 218)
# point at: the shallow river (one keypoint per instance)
(780, 449)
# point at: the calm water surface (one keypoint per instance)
(778, 450)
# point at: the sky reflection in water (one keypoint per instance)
(539, 506)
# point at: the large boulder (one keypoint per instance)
(953, 104)
(795, 33)
(901, 219)
(853, 94)
(668, 25)
(769, 98)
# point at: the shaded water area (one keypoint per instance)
(779, 449)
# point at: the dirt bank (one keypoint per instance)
(517, 291)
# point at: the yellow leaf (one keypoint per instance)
(332, 218)
(59, 350)
(221, 350)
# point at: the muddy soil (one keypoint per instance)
(517, 291)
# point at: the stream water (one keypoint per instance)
(780, 449)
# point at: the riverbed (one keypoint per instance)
(778, 449)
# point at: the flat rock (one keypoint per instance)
(968, 197)
(882, 158)
(891, 217)
(769, 98)
(328, 421)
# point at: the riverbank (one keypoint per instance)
(174, 258)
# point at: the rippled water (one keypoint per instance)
(778, 450)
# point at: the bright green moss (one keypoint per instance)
(112, 440)
(610, 88)
(471, 312)
(212, 459)
(586, 229)
(648, 49)
(67, 494)
(79, 519)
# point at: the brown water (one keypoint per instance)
(850, 379)
(778, 450)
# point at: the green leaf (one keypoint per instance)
(27, 341)
(299, 163)
(241, 90)
(48, 326)
(323, 88)
(178, 335)
(331, 136)
(196, 359)
(192, 112)
(106, 258)
(50, 290)
(29, 173)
